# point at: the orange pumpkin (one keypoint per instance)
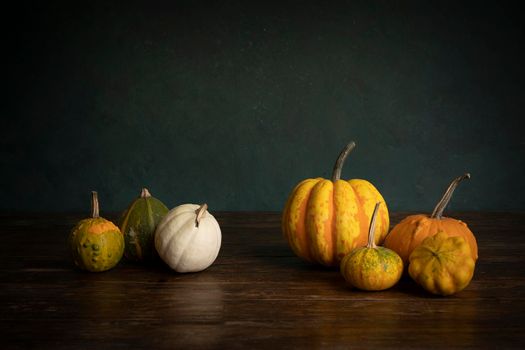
(324, 220)
(411, 231)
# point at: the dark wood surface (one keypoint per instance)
(257, 294)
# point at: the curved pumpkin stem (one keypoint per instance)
(145, 193)
(440, 207)
(94, 204)
(372, 228)
(200, 212)
(336, 174)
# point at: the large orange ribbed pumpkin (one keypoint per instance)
(323, 220)
(412, 230)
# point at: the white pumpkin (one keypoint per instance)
(188, 238)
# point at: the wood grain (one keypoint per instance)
(256, 295)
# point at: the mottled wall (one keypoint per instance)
(233, 104)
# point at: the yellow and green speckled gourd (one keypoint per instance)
(372, 268)
(138, 224)
(96, 243)
(323, 220)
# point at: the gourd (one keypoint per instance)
(323, 220)
(96, 243)
(411, 231)
(188, 238)
(442, 264)
(372, 268)
(138, 224)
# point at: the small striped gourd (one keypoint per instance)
(138, 224)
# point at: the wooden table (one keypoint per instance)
(256, 295)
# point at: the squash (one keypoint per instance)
(441, 264)
(323, 220)
(372, 268)
(138, 224)
(188, 238)
(411, 231)
(96, 243)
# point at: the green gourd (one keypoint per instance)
(96, 243)
(138, 224)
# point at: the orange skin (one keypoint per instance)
(411, 231)
(442, 265)
(324, 220)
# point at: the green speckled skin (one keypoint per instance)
(138, 225)
(372, 268)
(96, 244)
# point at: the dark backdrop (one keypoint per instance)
(234, 103)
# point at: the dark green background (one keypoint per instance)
(234, 104)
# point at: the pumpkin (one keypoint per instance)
(138, 225)
(372, 268)
(411, 231)
(188, 238)
(96, 243)
(442, 264)
(323, 220)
